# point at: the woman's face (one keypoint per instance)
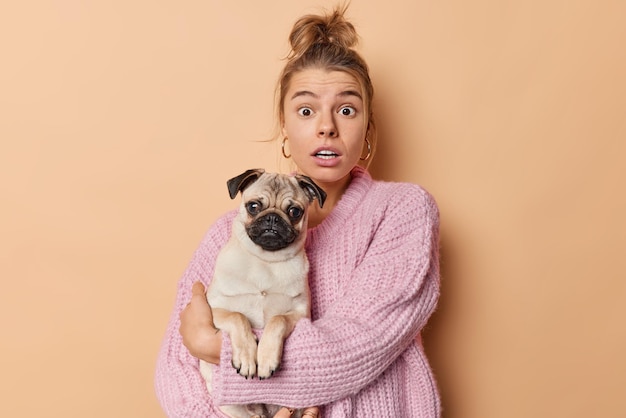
(324, 122)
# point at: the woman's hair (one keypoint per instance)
(327, 42)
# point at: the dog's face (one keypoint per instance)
(273, 211)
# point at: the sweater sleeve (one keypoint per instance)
(380, 310)
(180, 388)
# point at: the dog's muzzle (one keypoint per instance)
(271, 232)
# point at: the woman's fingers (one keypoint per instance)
(198, 289)
(284, 413)
(198, 300)
(197, 329)
(312, 412)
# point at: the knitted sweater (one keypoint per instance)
(374, 279)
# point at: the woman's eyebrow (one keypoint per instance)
(350, 93)
(310, 93)
(304, 93)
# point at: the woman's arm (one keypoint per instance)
(383, 306)
(179, 386)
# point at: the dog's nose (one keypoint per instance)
(271, 220)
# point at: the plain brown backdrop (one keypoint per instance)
(120, 122)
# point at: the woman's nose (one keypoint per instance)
(327, 126)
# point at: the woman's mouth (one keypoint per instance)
(326, 154)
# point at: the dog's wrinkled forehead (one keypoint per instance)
(274, 189)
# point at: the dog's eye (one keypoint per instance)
(253, 207)
(295, 213)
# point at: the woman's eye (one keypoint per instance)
(347, 111)
(295, 213)
(253, 207)
(305, 111)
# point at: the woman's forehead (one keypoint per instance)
(317, 82)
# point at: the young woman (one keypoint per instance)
(373, 251)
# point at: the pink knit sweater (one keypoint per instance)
(374, 282)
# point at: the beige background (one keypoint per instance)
(120, 122)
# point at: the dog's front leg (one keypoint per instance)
(243, 340)
(271, 345)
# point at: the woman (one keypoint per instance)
(373, 251)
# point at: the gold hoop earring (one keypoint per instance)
(282, 147)
(369, 150)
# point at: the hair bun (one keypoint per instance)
(329, 29)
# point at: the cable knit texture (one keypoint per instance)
(374, 281)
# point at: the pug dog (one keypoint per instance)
(260, 279)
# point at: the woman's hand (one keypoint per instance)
(312, 412)
(200, 336)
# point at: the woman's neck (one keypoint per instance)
(334, 192)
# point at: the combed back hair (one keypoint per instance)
(327, 42)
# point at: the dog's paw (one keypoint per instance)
(244, 355)
(268, 358)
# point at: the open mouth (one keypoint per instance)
(326, 154)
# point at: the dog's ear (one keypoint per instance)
(239, 183)
(311, 189)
